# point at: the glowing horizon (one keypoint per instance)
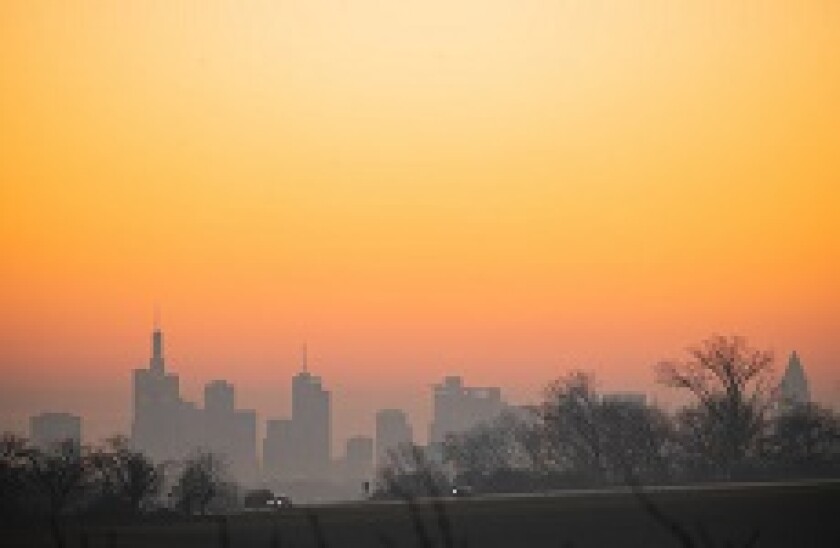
(500, 189)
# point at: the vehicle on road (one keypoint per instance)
(280, 501)
(461, 491)
(265, 499)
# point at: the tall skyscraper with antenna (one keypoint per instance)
(299, 448)
(311, 422)
(167, 427)
(157, 405)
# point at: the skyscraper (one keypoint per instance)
(158, 421)
(311, 424)
(458, 408)
(48, 429)
(219, 398)
(278, 448)
(228, 431)
(299, 448)
(392, 430)
(358, 459)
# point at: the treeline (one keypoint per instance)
(49, 485)
(735, 427)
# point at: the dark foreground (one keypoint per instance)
(792, 515)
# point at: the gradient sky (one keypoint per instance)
(502, 189)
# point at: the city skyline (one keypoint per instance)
(303, 444)
(506, 190)
(522, 270)
(420, 417)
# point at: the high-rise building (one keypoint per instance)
(392, 431)
(166, 427)
(794, 386)
(458, 408)
(219, 398)
(311, 419)
(303, 445)
(158, 425)
(230, 432)
(358, 459)
(48, 429)
(278, 447)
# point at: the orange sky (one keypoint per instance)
(504, 189)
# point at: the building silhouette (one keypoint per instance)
(49, 429)
(793, 389)
(392, 431)
(458, 408)
(166, 427)
(299, 448)
(229, 432)
(358, 459)
(160, 419)
(277, 447)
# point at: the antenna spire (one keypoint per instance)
(305, 365)
(156, 317)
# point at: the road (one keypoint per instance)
(771, 515)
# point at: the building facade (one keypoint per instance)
(458, 407)
(392, 431)
(49, 429)
(166, 427)
(358, 459)
(299, 448)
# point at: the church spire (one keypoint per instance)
(794, 386)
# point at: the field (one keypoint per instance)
(784, 515)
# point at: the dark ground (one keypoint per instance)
(793, 515)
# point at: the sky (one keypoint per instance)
(501, 189)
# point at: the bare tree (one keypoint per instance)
(202, 479)
(806, 441)
(572, 433)
(636, 440)
(603, 440)
(60, 475)
(731, 384)
(410, 472)
(127, 474)
(13, 474)
(489, 447)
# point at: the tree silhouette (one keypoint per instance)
(59, 474)
(201, 480)
(127, 474)
(731, 384)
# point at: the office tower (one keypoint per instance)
(159, 426)
(300, 447)
(230, 432)
(458, 408)
(48, 429)
(311, 424)
(277, 448)
(219, 398)
(392, 431)
(358, 459)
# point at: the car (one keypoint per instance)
(461, 491)
(265, 499)
(280, 501)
